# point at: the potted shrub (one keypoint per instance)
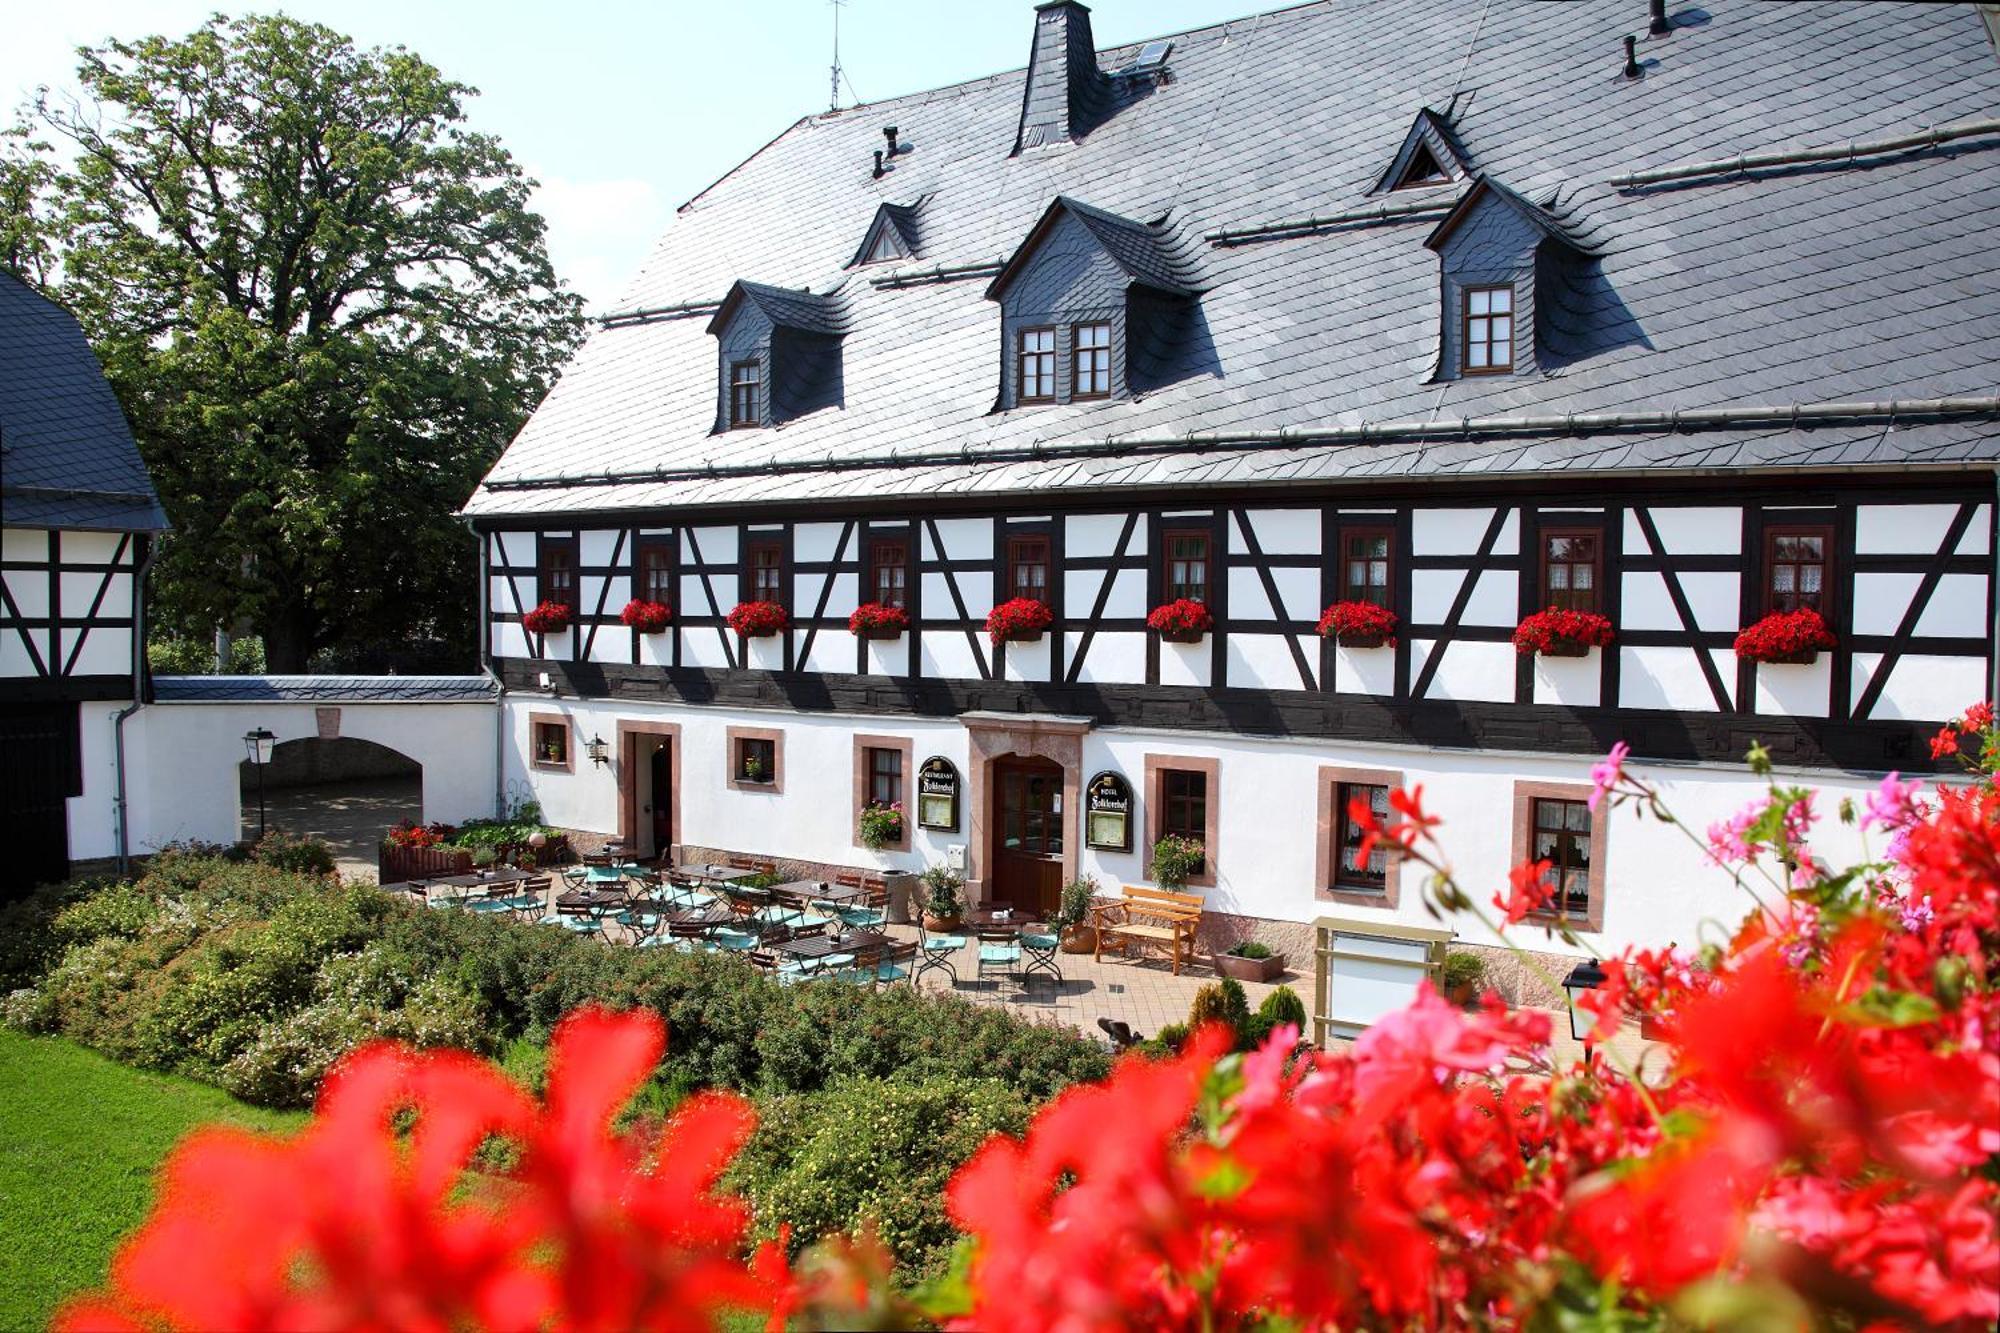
(879, 826)
(1359, 625)
(1461, 977)
(1250, 961)
(1176, 860)
(1554, 633)
(547, 618)
(646, 617)
(944, 898)
(1183, 620)
(1072, 919)
(1792, 638)
(872, 620)
(753, 769)
(757, 620)
(1019, 620)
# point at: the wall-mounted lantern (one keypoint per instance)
(599, 752)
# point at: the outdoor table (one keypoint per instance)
(489, 882)
(700, 916)
(996, 918)
(717, 874)
(810, 889)
(821, 946)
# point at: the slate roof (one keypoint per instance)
(67, 458)
(1146, 253)
(325, 689)
(1868, 281)
(801, 310)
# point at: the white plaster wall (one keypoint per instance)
(1576, 681)
(181, 764)
(1097, 535)
(1119, 657)
(816, 541)
(718, 544)
(887, 658)
(1029, 661)
(1671, 678)
(613, 643)
(1694, 530)
(1922, 688)
(602, 546)
(1260, 661)
(1467, 670)
(1364, 670)
(1186, 663)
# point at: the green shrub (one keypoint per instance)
(301, 856)
(1220, 1002)
(875, 1150)
(1251, 949)
(1283, 1005)
(1465, 970)
(29, 942)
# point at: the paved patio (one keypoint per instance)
(352, 818)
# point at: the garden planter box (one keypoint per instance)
(1022, 636)
(1361, 638)
(1181, 635)
(759, 633)
(395, 864)
(1239, 968)
(1566, 648)
(1805, 657)
(881, 632)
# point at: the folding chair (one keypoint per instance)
(999, 951)
(937, 951)
(1040, 943)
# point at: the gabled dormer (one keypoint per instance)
(1430, 155)
(778, 354)
(1497, 252)
(893, 234)
(1084, 292)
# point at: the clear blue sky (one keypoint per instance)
(625, 110)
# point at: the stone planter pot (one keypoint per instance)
(1079, 939)
(1249, 969)
(1362, 638)
(1183, 635)
(1566, 648)
(881, 633)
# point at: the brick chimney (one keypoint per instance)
(1066, 92)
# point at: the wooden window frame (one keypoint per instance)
(1525, 796)
(644, 547)
(877, 566)
(732, 759)
(545, 547)
(1015, 545)
(1331, 820)
(1077, 393)
(1167, 539)
(1408, 179)
(1347, 533)
(1465, 318)
(907, 747)
(536, 721)
(1156, 766)
(1593, 531)
(756, 387)
(1823, 531)
(1021, 355)
(751, 546)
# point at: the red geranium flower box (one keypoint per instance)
(1020, 620)
(873, 620)
(1554, 633)
(547, 618)
(758, 620)
(1359, 625)
(1183, 620)
(647, 617)
(1790, 637)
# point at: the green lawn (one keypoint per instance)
(80, 1138)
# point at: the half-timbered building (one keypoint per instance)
(80, 518)
(1463, 311)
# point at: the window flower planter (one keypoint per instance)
(547, 618)
(1183, 620)
(872, 620)
(1020, 620)
(757, 620)
(647, 617)
(1554, 633)
(880, 826)
(1359, 625)
(1785, 638)
(1263, 967)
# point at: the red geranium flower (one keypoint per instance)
(1018, 617)
(646, 617)
(757, 619)
(548, 618)
(1183, 615)
(1536, 633)
(1358, 620)
(876, 616)
(1784, 634)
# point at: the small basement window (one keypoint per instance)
(1488, 330)
(744, 379)
(756, 759)
(549, 739)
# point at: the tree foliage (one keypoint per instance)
(325, 305)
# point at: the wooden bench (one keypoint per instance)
(1149, 916)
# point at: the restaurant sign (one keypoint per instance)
(1107, 804)
(937, 794)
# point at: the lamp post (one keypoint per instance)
(258, 743)
(1586, 975)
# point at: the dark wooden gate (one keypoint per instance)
(41, 767)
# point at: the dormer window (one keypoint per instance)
(1422, 170)
(892, 234)
(1036, 361)
(1429, 155)
(1489, 330)
(1090, 361)
(744, 380)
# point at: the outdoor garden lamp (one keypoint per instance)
(258, 743)
(596, 748)
(1586, 975)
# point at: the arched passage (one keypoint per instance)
(343, 790)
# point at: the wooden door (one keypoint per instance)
(659, 797)
(1027, 825)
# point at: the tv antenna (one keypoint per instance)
(833, 75)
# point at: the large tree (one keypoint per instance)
(325, 305)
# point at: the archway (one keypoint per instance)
(343, 790)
